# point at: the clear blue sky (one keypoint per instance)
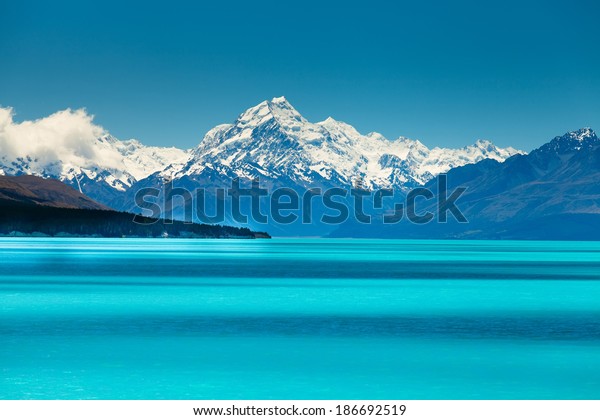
(448, 73)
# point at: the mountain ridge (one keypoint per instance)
(271, 139)
(551, 193)
(508, 192)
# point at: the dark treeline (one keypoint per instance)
(52, 221)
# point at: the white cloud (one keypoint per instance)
(67, 137)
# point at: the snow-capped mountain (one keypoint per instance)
(68, 146)
(272, 140)
(130, 161)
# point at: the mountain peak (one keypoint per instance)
(582, 134)
(332, 124)
(571, 142)
(582, 137)
(280, 100)
(283, 110)
(579, 136)
(482, 143)
(376, 136)
(278, 109)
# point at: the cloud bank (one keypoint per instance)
(65, 136)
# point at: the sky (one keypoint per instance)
(447, 73)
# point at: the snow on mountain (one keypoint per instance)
(582, 134)
(584, 138)
(270, 140)
(142, 160)
(68, 146)
(273, 140)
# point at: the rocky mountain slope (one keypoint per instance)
(29, 190)
(551, 193)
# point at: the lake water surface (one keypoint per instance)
(298, 319)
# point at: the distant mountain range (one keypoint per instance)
(270, 140)
(550, 193)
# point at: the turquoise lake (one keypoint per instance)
(298, 319)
